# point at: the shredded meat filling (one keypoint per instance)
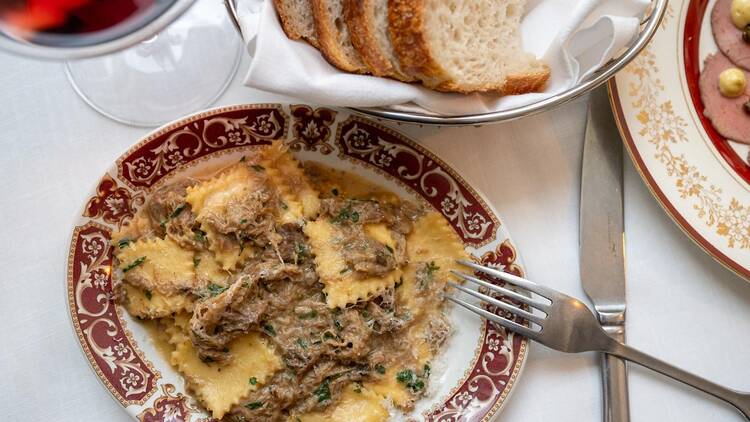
(363, 254)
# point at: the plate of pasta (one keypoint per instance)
(275, 262)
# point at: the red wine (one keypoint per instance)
(74, 23)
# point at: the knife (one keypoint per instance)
(602, 241)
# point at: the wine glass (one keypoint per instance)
(139, 62)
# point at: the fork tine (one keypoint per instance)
(503, 291)
(510, 278)
(500, 304)
(511, 325)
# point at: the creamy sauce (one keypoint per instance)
(331, 182)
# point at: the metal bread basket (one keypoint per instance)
(649, 25)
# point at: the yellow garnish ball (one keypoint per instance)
(741, 13)
(732, 82)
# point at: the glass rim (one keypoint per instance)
(170, 14)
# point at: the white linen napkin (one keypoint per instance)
(573, 40)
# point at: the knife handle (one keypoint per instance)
(615, 382)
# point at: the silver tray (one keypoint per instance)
(649, 25)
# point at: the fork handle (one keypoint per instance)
(738, 399)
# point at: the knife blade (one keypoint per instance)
(602, 241)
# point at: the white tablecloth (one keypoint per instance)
(683, 306)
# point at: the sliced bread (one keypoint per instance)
(367, 21)
(297, 20)
(465, 45)
(333, 36)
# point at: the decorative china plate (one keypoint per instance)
(482, 362)
(701, 179)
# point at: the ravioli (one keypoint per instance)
(434, 247)
(212, 197)
(147, 304)
(343, 286)
(208, 270)
(221, 387)
(300, 200)
(158, 265)
(356, 404)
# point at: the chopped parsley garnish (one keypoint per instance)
(302, 343)
(242, 160)
(358, 387)
(253, 381)
(258, 168)
(200, 236)
(416, 385)
(308, 315)
(345, 270)
(426, 370)
(345, 214)
(407, 375)
(254, 405)
(177, 211)
(196, 261)
(269, 329)
(148, 294)
(243, 221)
(123, 243)
(337, 323)
(284, 206)
(323, 392)
(134, 264)
(301, 252)
(390, 249)
(365, 314)
(411, 381)
(335, 192)
(215, 289)
(431, 268)
(425, 274)
(380, 369)
(399, 282)
(327, 335)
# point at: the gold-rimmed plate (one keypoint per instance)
(699, 177)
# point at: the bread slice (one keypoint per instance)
(333, 36)
(367, 21)
(297, 20)
(465, 45)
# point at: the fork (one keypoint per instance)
(569, 326)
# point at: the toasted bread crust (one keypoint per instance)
(286, 19)
(514, 84)
(363, 40)
(405, 24)
(329, 45)
(526, 83)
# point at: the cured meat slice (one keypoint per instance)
(727, 36)
(728, 115)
